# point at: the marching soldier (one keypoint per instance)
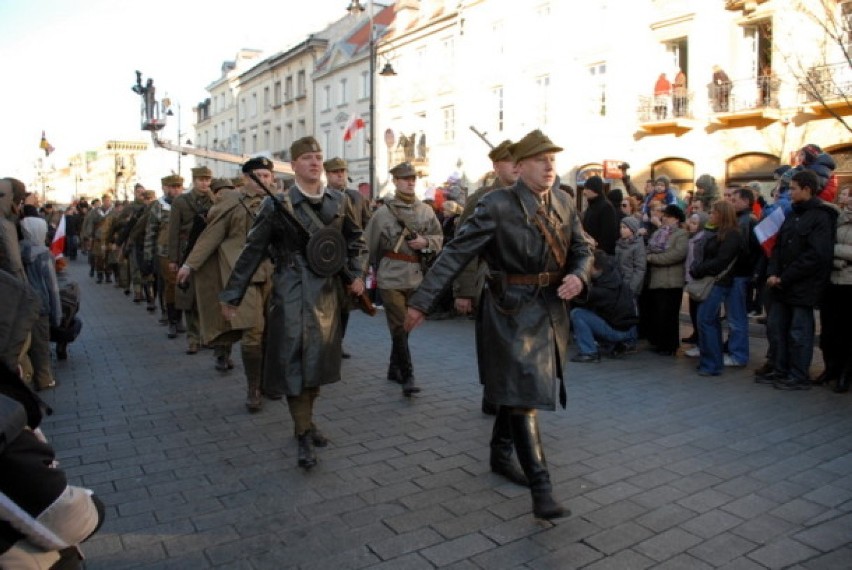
(303, 336)
(157, 246)
(468, 286)
(136, 251)
(210, 263)
(99, 236)
(400, 236)
(538, 257)
(337, 175)
(188, 216)
(130, 242)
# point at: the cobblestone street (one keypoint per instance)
(661, 468)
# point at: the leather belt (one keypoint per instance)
(402, 257)
(545, 279)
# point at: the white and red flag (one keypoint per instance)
(57, 246)
(355, 122)
(767, 230)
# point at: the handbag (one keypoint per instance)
(699, 289)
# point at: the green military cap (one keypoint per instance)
(535, 142)
(149, 194)
(172, 180)
(501, 152)
(303, 145)
(202, 172)
(220, 183)
(403, 170)
(334, 164)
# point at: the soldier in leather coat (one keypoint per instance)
(303, 327)
(538, 258)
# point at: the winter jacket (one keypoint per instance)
(666, 269)
(841, 274)
(601, 223)
(632, 262)
(803, 253)
(611, 298)
(717, 255)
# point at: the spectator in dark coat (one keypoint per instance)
(798, 273)
(599, 219)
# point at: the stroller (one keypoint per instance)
(70, 324)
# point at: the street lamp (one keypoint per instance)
(356, 8)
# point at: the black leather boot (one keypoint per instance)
(501, 450)
(845, 379)
(394, 373)
(488, 408)
(253, 367)
(531, 456)
(172, 318)
(307, 455)
(409, 386)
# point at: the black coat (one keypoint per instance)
(717, 255)
(611, 298)
(600, 222)
(804, 253)
(522, 331)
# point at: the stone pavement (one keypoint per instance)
(661, 468)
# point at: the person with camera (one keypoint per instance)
(401, 237)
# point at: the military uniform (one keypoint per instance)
(188, 209)
(211, 261)
(399, 268)
(533, 243)
(157, 251)
(99, 236)
(136, 246)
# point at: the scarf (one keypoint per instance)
(405, 198)
(660, 240)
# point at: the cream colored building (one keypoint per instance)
(585, 73)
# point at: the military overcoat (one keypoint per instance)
(522, 331)
(303, 319)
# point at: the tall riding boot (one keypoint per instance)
(394, 373)
(151, 298)
(409, 387)
(531, 456)
(501, 449)
(172, 318)
(101, 277)
(845, 378)
(222, 355)
(832, 370)
(179, 321)
(253, 367)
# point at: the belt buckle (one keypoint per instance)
(543, 279)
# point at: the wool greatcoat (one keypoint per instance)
(303, 320)
(213, 258)
(522, 331)
(185, 208)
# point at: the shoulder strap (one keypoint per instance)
(395, 213)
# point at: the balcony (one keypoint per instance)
(659, 114)
(744, 100)
(826, 89)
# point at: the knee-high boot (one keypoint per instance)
(845, 378)
(253, 367)
(501, 449)
(531, 456)
(409, 387)
(833, 367)
(172, 316)
(394, 373)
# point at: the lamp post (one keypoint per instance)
(356, 8)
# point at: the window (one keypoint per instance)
(326, 98)
(677, 54)
(364, 85)
(449, 117)
(326, 143)
(300, 132)
(254, 143)
(542, 87)
(289, 131)
(497, 95)
(597, 89)
(243, 109)
(277, 140)
(300, 84)
(254, 104)
(343, 94)
(266, 140)
(266, 102)
(277, 93)
(288, 88)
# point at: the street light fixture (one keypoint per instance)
(355, 8)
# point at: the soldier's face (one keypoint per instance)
(506, 171)
(173, 190)
(265, 176)
(406, 184)
(202, 184)
(107, 203)
(308, 167)
(539, 171)
(336, 178)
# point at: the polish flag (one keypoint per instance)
(767, 230)
(355, 122)
(57, 246)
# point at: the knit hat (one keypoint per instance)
(632, 224)
(664, 179)
(595, 184)
(707, 183)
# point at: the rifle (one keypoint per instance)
(482, 136)
(363, 299)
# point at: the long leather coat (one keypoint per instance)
(303, 326)
(522, 331)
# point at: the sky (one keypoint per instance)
(68, 66)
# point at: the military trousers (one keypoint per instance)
(169, 280)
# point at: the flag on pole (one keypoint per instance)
(767, 230)
(57, 246)
(45, 146)
(355, 122)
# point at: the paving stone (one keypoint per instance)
(783, 552)
(618, 538)
(667, 544)
(457, 549)
(722, 549)
(711, 523)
